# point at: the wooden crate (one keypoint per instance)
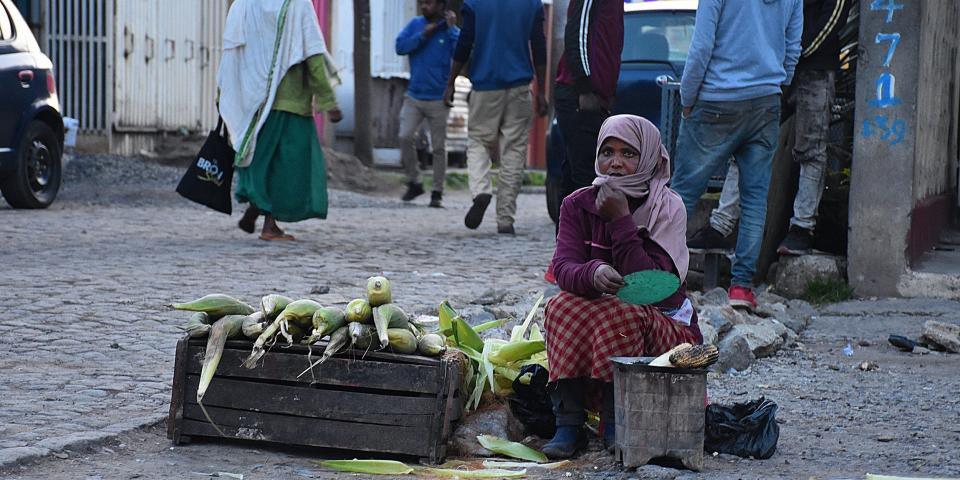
(373, 402)
(659, 413)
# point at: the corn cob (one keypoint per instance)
(401, 341)
(516, 351)
(697, 356)
(259, 346)
(359, 310)
(216, 305)
(379, 291)
(198, 326)
(253, 325)
(325, 321)
(386, 317)
(664, 360)
(432, 345)
(299, 313)
(272, 305)
(362, 336)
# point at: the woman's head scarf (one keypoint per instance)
(662, 214)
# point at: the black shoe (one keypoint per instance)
(708, 238)
(436, 199)
(475, 215)
(414, 190)
(506, 230)
(799, 241)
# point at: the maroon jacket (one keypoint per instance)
(592, 45)
(586, 241)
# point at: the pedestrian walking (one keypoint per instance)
(429, 41)
(498, 39)
(628, 222)
(811, 95)
(742, 56)
(586, 84)
(275, 70)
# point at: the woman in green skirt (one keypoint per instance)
(281, 169)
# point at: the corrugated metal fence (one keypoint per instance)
(136, 65)
(77, 41)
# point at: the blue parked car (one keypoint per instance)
(31, 126)
(657, 36)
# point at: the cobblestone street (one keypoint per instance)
(89, 345)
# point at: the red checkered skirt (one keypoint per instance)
(582, 334)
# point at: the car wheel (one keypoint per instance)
(36, 177)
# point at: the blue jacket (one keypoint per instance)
(430, 58)
(498, 39)
(741, 50)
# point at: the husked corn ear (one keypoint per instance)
(664, 360)
(697, 356)
(379, 291)
(216, 305)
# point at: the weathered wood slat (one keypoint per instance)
(279, 365)
(314, 402)
(177, 392)
(315, 432)
(319, 346)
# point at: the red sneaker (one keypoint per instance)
(741, 297)
(549, 275)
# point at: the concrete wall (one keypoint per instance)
(906, 120)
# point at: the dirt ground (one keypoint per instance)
(836, 420)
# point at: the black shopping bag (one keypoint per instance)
(745, 429)
(210, 177)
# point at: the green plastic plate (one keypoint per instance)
(648, 287)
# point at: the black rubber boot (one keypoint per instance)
(567, 397)
(608, 417)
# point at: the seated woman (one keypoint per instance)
(628, 221)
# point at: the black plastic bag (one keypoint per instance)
(531, 404)
(745, 429)
(210, 177)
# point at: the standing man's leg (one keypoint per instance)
(755, 158)
(580, 131)
(813, 96)
(724, 218)
(514, 138)
(486, 109)
(437, 113)
(411, 116)
(705, 141)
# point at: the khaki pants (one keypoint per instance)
(499, 116)
(412, 114)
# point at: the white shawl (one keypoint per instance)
(262, 39)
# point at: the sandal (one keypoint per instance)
(277, 238)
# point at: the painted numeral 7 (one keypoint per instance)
(894, 39)
(889, 5)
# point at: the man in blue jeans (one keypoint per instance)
(742, 55)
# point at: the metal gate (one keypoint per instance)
(77, 37)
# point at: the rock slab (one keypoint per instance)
(946, 335)
(794, 274)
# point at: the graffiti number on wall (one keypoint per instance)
(894, 39)
(878, 125)
(886, 86)
(889, 5)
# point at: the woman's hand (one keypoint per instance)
(606, 279)
(613, 206)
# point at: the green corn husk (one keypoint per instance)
(253, 325)
(362, 336)
(483, 327)
(371, 467)
(198, 326)
(517, 351)
(465, 335)
(483, 473)
(446, 314)
(511, 449)
(379, 291)
(339, 340)
(386, 317)
(216, 305)
(300, 312)
(325, 321)
(401, 341)
(431, 345)
(224, 329)
(548, 466)
(272, 305)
